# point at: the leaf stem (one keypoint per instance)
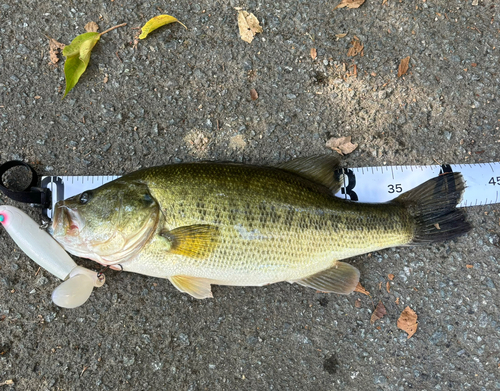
(112, 28)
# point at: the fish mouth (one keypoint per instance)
(66, 221)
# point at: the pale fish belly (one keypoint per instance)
(260, 256)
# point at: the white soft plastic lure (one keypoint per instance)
(44, 250)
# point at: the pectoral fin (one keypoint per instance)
(194, 241)
(197, 287)
(341, 278)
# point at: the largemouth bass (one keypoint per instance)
(199, 224)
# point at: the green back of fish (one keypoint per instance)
(267, 222)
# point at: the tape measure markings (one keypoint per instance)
(364, 184)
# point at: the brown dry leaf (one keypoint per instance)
(357, 303)
(338, 36)
(384, 2)
(248, 25)
(391, 276)
(357, 48)
(91, 27)
(359, 288)
(341, 145)
(314, 53)
(349, 4)
(397, 301)
(408, 321)
(253, 94)
(388, 287)
(54, 48)
(469, 266)
(403, 66)
(379, 313)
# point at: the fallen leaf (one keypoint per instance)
(91, 27)
(338, 36)
(157, 22)
(357, 303)
(54, 48)
(77, 58)
(314, 53)
(379, 313)
(391, 277)
(253, 94)
(397, 301)
(106, 78)
(469, 266)
(403, 66)
(384, 2)
(248, 25)
(7, 382)
(349, 4)
(357, 48)
(388, 287)
(408, 321)
(341, 145)
(359, 288)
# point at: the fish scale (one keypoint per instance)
(321, 229)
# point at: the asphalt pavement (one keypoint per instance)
(184, 95)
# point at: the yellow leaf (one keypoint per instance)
(248, 25)
(156, 22)
(73, 48)
(87, 46)
(77, 58)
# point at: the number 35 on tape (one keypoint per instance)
(381, 184)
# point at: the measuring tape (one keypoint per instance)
(363, 184)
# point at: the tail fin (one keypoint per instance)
(433, 205)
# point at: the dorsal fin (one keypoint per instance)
(319, 169)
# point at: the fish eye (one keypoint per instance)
(85, 197)
(147, 198)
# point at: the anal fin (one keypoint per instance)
(341, 278)
(197, 287)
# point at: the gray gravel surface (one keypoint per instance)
(184, 95)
